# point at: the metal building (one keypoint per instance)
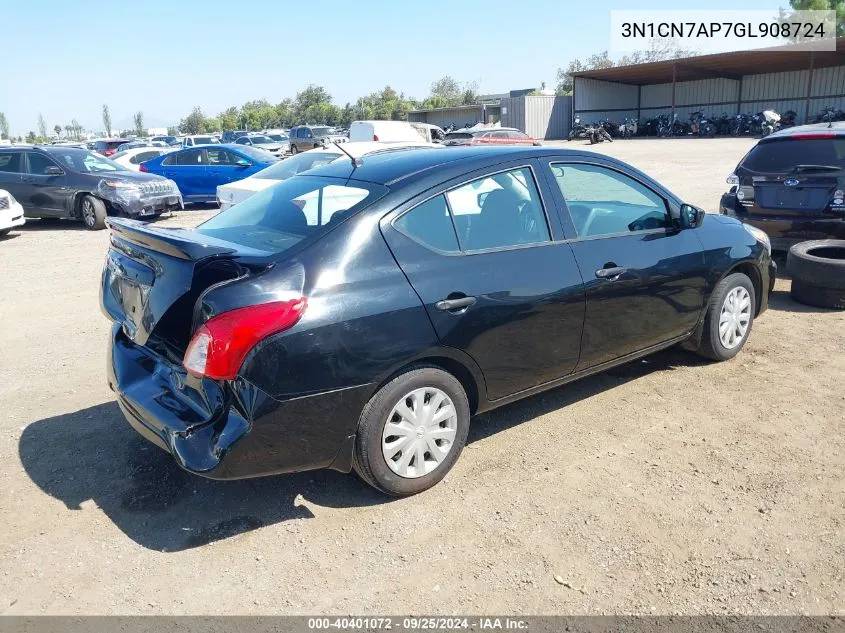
(746, 81)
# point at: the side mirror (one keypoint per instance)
(243, 162)
(691, 217)
(52, 170)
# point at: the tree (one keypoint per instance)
(229, 119)
(172, 131)
(57, 129)
(77, 129)
(823, 5)
(140, 130)
(193, 123)
(312, 105)
(447, 88)
(68, 130)
(106, 120)
(4, 126)
(42, 126)
(30, 137)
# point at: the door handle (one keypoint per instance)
(610, 273)
(451, 305)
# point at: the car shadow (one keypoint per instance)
(781, 300)
(33, 226)
(93, 454)
(10, 236)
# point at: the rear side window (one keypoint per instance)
(280, 216)
(10, 162)
(782, 156)
(430, 225)
(191, 157)
(143, 157)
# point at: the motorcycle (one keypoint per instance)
(770, 123)
(739, 125)
(787, 119)
(628, 129)
(596, 133)
(579, 130)
(723, 124)
(700, 126)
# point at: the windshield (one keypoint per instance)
(782, 156)
(260, 139)
(85, 161)
(279, 138)
(205, 140)
(456, 136)
(282, 215)
(258, 154)
(322, 131)
(297, 164)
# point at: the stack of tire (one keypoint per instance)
(817, 269)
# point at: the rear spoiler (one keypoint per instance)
(180, 243)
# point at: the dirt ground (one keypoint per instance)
(671, 485)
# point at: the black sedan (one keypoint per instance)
(357, 315)
(54, 182)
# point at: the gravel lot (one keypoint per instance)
(671, 485)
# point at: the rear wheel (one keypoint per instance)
(729, 317)
(412, 431)
(93, 213)
(293, 150)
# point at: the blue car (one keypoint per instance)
(198, 171)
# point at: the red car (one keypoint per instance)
(489, 136)
(108, 146)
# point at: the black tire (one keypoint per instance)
(711, 344)
(817, 296)
(4, 232)
(293, 150)
(92, 212)
(606, 135)
(818, 262)
(368, 459)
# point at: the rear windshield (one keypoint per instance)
(297, 164)
(451, 136)
(782, 156)
(282, 215)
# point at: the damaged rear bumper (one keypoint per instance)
(229, 430)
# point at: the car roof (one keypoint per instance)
(391, 168)
(836, 127)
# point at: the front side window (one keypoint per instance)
(38, 163)
(430, 225)
(603, 201)
(220, 157)
(500, 210)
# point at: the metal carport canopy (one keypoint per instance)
(733, 65)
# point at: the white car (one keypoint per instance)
(132, 158)
(234, 192)
(205, 139)
(11, 212)
(390, 131)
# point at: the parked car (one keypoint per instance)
(135, 144)
(792, 185)
(68, 182)
(204, 139)
(488, 136)
(11, 213)
(108, 146)
(235, 192)
(385, 131)
(198, 171)
(357, 315)
(172, 141)
(431, 133)
(279, 137)
(260, 141)
(230, 136)
(132, 158)
(305, 137)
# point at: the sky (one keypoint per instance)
(66, 59)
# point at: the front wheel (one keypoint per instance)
(412, 431)
(606, 135)
(93, 213)
(729, 318)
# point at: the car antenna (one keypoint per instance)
(356, 162)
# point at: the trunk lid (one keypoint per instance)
(149, 270)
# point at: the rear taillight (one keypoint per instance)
(375, 137)
(142, 167)
(218, 348)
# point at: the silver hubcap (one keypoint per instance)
(735, 317)
(419, 433)
(88, 212)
